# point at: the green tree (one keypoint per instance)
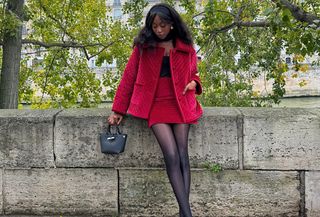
(239, 41)
(67, 33)
(242, 40)
(11, 32)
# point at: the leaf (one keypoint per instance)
(268, 11)
(298, 58)
(304, 68)
(303, 83)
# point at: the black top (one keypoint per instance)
(165, 67)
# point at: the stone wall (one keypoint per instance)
(51, 165)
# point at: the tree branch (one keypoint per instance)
(298, 13)
(105, 47)
(253, 24)
(67, 44)
(70, 44)
(225, 28)
(238, 16)
(55, 20)
(55, 44)
(44, 86)
(221, 11)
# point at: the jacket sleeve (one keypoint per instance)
(124, 91)
(194, 72)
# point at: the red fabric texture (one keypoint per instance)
(136, 92)
(165, 107)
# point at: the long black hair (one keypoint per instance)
(169, 15)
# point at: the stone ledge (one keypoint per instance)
(55, 216)
(270, 138)
(281, 139)
(227, 193)
(312, 192)
(214, 139)
(91, 192)
(1, 190)
(26, 138)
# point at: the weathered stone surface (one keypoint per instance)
(146, 193)
(312, 193)
(55, 216)
(227, 193)
(26, 138)
(77, 140)
(88, 192)
(215, 139)
(1, 196)
(245, 193)
(281, 139)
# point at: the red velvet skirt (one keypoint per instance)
(165, 108)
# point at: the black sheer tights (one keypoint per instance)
(173, 140)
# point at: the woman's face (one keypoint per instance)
(160, 28)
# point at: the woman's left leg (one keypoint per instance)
(167, 141)
(181, 132)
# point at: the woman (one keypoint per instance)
(159, 84)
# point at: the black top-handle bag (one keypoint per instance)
(113, 143)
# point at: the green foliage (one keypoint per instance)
(213, 167)
(62, 79)
(8, 21)
(25, 90)
(74, 32)
(135, 9)
(0, 59)
(234, 54)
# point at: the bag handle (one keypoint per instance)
(117, 128)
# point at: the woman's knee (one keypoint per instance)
(172, 157)
(184, 160)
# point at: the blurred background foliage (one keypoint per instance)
(239, 41)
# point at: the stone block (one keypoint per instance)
(148, 193)
(55, 216)
(87, 192)
(77, 141)
(281, 139)
(214, 139)
(1, 195)
(26, 138)
(245, 193)
(312, 193)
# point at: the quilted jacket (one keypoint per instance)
(138, 84)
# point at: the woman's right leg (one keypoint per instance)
(165, 137)
(181, 132)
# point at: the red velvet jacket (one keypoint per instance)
(138, 84)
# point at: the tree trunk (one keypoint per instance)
(9, 83)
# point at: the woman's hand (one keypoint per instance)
(190, 86)
(115, 118)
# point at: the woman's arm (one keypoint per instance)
(124, 91)
(194, 72)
